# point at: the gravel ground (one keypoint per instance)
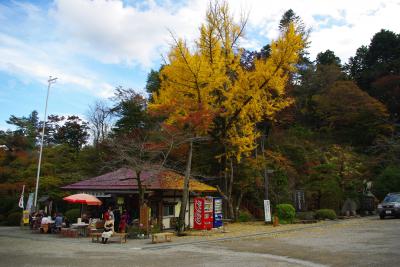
(356, 242)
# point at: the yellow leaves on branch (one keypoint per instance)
(208, 82)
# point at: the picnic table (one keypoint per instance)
(82, 228)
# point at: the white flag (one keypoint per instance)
(21, 199)
(29, 203)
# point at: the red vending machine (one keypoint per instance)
(203, 213)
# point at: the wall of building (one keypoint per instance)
(189, 212)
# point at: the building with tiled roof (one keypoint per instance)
(163, 192)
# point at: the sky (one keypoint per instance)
(93, 46)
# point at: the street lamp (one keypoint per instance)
(50, 81)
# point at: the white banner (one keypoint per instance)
(29, 203)
(21, 199)
(267, 211)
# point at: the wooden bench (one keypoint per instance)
(122, 237)
(161, 237)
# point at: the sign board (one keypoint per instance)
(267, 211)
(120, 200)
(299, 200)
(97, 194)
(25, 216)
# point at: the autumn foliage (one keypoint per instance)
(207, 89)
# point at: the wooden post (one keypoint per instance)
(276, 221)
(160, 212)
(144, 217)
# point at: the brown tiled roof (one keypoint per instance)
(125, 179)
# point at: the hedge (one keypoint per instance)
(305, 215)
(245, 216)
(73, 215)
(325, 214)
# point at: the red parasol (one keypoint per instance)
(83, 199)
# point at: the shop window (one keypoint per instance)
(169, 210)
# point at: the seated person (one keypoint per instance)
(37, 220)
(58, 221)
(108, 231)
(45, 224)
(66, 222)
(45, 220)
(85, 218)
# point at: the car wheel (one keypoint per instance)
(382, 217)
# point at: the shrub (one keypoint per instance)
(244, 216)
(135, 231)
(73, 215)
(156, 228)
(14, 218)
(305, 215)
(2, 218)
(325, 214)
(387, 181)
(285, 213)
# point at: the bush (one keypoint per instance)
(156, 228)
(325, 214)
(2, 218)
(285, 213)
(135, 231)
(245, 216)
(14, 218)
(305, 215)
(387, 181)
(73, 215)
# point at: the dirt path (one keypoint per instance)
(358, 242)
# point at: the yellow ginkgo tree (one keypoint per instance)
(207, 90)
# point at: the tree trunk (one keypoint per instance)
(185, 193)
(140, 188)
(229, 192)
(238, 203)
(144, 213)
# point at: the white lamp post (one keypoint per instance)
(50, 81)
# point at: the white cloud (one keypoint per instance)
(359, 21)
(113, 33)
(30, 63)
(59, 40)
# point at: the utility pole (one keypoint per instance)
(50, 81)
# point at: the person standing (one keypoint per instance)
(117, 219)
(123, 222)
(110, 213)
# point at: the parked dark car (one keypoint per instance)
(390, 206)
